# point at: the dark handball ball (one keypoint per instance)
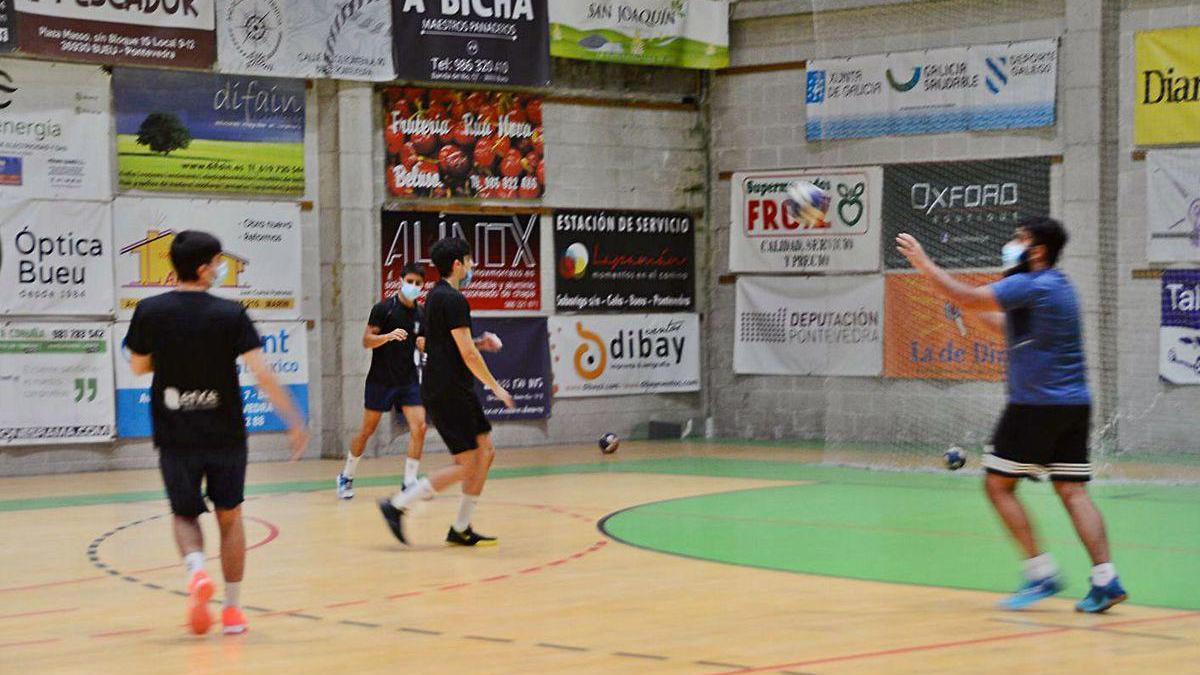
(609, 443)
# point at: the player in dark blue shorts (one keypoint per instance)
(1044, 429)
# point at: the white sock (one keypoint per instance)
(233, 591)
(351, 465)
(403, 498)
(410, 470)
(466, 509)
(1103, 574)
(1040, 567)
(194, 562)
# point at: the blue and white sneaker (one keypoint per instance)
(1032, 592)
(1102, 598)
(345, 487)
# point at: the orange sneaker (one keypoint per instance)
(200, 591)
(234, 621)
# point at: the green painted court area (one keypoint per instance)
(213, 166)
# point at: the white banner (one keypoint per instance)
(809, 326)
(1173, 200)
(56, 258)
(998, 86)
(56, 383)
(55, 131)
(764, 238)
(261, 242)
(625, 354)
(305, 38)
(285, 346)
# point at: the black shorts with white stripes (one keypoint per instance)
(1032, 441)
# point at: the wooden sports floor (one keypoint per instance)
(673, 557)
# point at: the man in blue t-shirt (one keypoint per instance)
(1045, 426)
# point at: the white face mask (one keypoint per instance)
(221, 273)
(1011, 254)
(410, 291)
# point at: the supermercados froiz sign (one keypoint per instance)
(1167, 97)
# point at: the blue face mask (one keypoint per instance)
(222, 272)
(1012, 255)
(410, 291)
(467, 279)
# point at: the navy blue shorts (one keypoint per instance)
(382, 398)
(222, 472)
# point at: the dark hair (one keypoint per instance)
(1048, 232)
(190, 250)
(412, 268)
(446, 251)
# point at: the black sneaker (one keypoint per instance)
(393, 517)
(468, 537)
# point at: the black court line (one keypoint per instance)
(721, 664)
(1090, 629)
(485, 638)
(569, 648)
(363, 624)
(419, 631)
(635, 655)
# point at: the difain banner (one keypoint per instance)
(610, 355)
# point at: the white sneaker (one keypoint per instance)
(345, 487)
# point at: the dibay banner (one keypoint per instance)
(679, 33)
(613, 355)
(934, 91)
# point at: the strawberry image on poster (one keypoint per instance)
(443, 143)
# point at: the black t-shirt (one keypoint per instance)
(194, 340)
(392, 362)
(446, 374)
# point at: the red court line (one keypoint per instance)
(346, 604)
(1152, 619)
(38, 613)
(491, 579)
(28, 643)
(405, 595)
(64, 582)
(118, 633)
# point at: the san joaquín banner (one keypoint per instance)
(680, 33)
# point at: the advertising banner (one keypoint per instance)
(809, 326)
(929, 338)
(522, 367)
(608, 355)
(1179, 329)
(624, 261)
(261, 251)
(57, 383)
(56, 258)
(934, 91)
(285, 347)
(506, 249)
(764, 238)
(1173, 205)
(679, 33)
(180, 131)
(54, 131)
(472, 41)
(175, 33)
(1165, 103)
(962, 212)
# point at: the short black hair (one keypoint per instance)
(1048, 232)
(190, 250)
(412, 268)
(446, 251)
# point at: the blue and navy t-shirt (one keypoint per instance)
(1045, 339)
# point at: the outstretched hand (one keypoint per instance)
(911, 249)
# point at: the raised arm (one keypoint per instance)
(476, 364)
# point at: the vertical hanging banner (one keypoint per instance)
(624, 261)
(343, 39)
(472, 41)
(522, 367)
(684, 34)
(810, 326)
(935, 91)
(57, 383)
(261, 243)
(1166, 102)
(763, 237)
(930, 338)
(177, 33)
(608, 355)
(443, 143)
(506, 249)
(1179, 327)
(179, 131)
(1173, 205)
(54, 131)
(285, 349)
(56, 258)
(962, 212)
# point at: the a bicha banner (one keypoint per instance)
(522, 366)
(58, 383)
(54, 131)
(679, 33)
(180, 131)
(56, 258)
(1173, 205)
(763, 237)
(613, 355)
(506, 249)
(285, 349)
(347, 40)
(176, 33)
(261, 253)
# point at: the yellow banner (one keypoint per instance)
(1167, 104)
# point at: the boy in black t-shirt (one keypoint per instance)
(191, 341)
(449, 395)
